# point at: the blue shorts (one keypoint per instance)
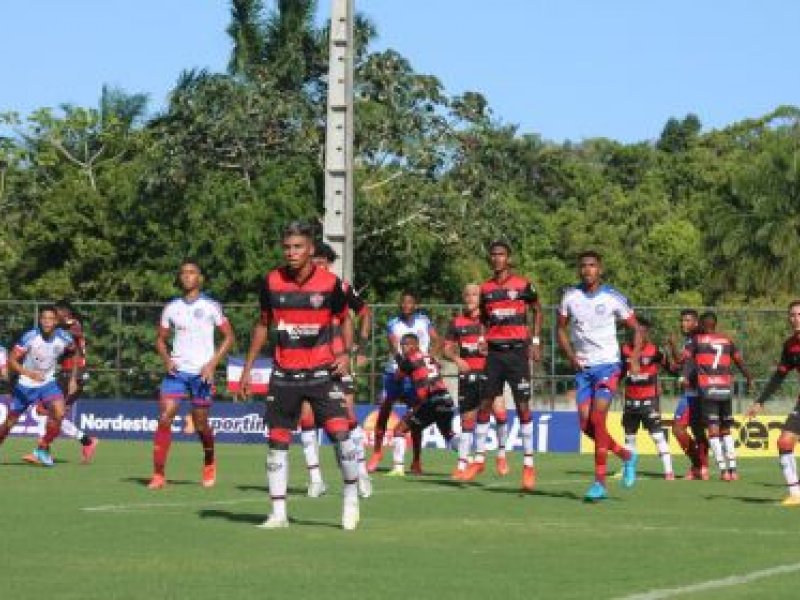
(187, 385)
(24, 397)
(397, 388)
(597, 382)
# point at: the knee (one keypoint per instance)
(279, 439)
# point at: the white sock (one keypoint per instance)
(399, 443)
(663, 450)
(481, 432)
(502, 438)
(357, 435)
(309, 441)
(716, 447)
(789, 468)
(69, 429)
(526, 430)
(730, 450)
(464, 446)
(630, 441)
(349, 464)
(277, 476)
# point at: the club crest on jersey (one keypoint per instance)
(512, 294)
(600, 309)
(316, 300)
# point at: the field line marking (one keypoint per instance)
(712, 584)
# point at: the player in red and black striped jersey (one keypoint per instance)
(506, 299)
(642, 396)
(431, 403)
(712, 355)
(790, 433)
(304, 303)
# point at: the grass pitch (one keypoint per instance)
(95, 531)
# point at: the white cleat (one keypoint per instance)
(364, 486)
(316, 489)
(274, 522)
(350, 516)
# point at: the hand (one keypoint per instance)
(36, 375)
(207, 372)
(753, 410)
(72, 386)
(244, 385)
(341, 365)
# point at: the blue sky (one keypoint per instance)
(566, 69)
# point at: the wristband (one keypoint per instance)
(535, 340)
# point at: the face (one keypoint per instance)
(321, 261)
(590, 270)
(48, 320)
(688, 324)
(190, 277)
(708, 325)
(62, 314)
(794, 318)
(472, 297)
(409, 345)
(297, 251)
(498, 259)
(408, 304)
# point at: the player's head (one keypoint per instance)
(794, 315)
(499, 255)
(190, 275)
(645, 325)
(408, 303)
(471, 296)
(324, 255)
(690, 320)
(708, 321)
(48, 319)
(64, 310)
(297, 240)
(590, 267)
(409, 343)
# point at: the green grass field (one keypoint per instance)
(95, 531)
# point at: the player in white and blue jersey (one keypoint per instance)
(35, 359)
(410, 320)
(587, 334)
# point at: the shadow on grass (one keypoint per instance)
(258, 518)
(744, 499)
(294, 490)
(143, 481)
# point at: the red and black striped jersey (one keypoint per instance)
(70, 358)
(712, 356)
(504, 307)
(303, 314)
(467, 332)
(425, 374)
(643, 386)
(790, 356)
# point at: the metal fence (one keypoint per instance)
(122, 361)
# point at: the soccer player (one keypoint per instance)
(711, 353)
(34, 358)
(190, 367)
(304, 303)
(688, 415)
(642, 395)
(587, 334)
(789, 361)
(505, 300)
(410, 320)
(432, 402)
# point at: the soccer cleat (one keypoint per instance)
(502, 466)
(273, 522)
(416, 468)
(364, 486)
(458, 474)
(210, 475)
(374, 461)
(704, 474)
(316, 489)
(397, 471)
(473, 470)
(596, 492)
(692, 474)
(734, 474)
(629, 470)
(43, 457)
(791, 500)
(528, 479)
(31, 459)
(350, 516)
(87, 451)
(669, 476)
(157, 482)
(725, 475)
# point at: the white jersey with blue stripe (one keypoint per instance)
(419, 324)
(41, 354)
(593, 320)
(193, 323)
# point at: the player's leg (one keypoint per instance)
(697, 424)
(495, 378)
(712, 416)
(391, 392)
(519, 380)
(652, 421)
(786, 458)
(680, 431)
(399, 447)
(15, 411)
(501, 426)
(728, 445)
(309, 440)
(416, 451)
(205, 434)
(173, 390)
(469, 392)
(357, 435)
(605, 379)
(53, 401)
(631, 418)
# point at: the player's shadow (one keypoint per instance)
(744, 499)
(262, 489)
(562, 494)
(143, 481)
(590, 473)
(769, 485)
(258, 518)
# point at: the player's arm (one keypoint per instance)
(436, 341)
(364, 314)
(535, 308)
(162, 335)
(452, 350)
(73, 347)
(341, 311)
(228, 338)
(258, 338)
(14, 358)
(564, 342)
(638, 342)
(739, 362)
(769, 390)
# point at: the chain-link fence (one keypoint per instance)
(122, 362)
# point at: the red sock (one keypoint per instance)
(688, 446)
(161, 444)
(4, 431)
(51, 432)
(702, 452)
(207, 440)
(416, 439)
(601, 439)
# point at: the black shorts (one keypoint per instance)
(63, 378)
(288, 389)
(438, 409)
(470, 390)
(348, 384)
(508, 366)
(644, 413)
(792, 424)
(717, 412)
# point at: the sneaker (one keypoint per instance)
(397, 471)
(87, 451)
(374, 461)
(669, 476)
(596, 492)
(473, 470)
(210, 475)
(725, 475)
(364, 486)
(43, 457)
(528, 479)
(416, 468)
(157, 482)
(791, 500)
(350, 516)
(734, 474)
(629, 470)
(502, 466)
(273, 522)
(316, 489)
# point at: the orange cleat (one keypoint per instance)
(669, 476)
(374, 461)
(87, 451)
(725, 476)
(704, 474)
(473, 470)
(210, 475)
(416, 468)
(528, 479)
(734, 475)
(157, 482)
(458, 474)
(502, 466)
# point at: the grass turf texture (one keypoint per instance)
(95, 531)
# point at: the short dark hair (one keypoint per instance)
(409, 292)
(644, 322)
(64, 305)
(48, 308)
(690, 312)
(298, 228)
(190, 260)
(709, 315)
(500, 244)
(324, 250)
(793, 303)
(590, 254)
(409, 336)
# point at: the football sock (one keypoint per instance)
(481, 432)
(687, 445)
(502, 432)
(161, 443)
(399, 452)
(526, 429)
(277, 476)
(730, 450)
(630, 442)
(464, 446)
(69, 429)
(719, 456)
(349, 465)
(308, 437)
(662, 447)
(789, 469)
(51, 431)
(357, 435)
(206, 438)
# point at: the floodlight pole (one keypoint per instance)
(338, 222)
